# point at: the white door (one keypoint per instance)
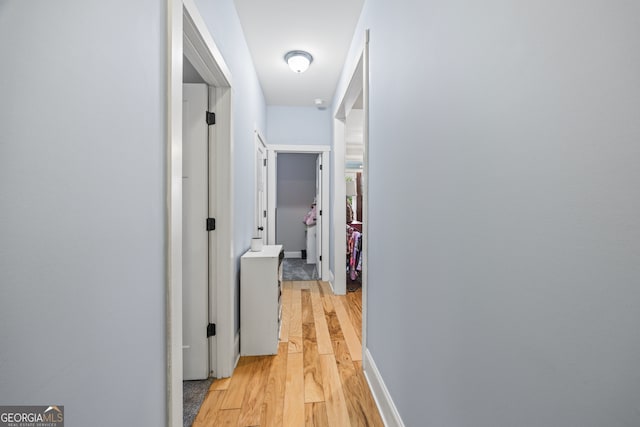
(319, 215)
(195, 276)
(261, 223)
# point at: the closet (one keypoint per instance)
(353, 163)
(354, 235)
(296, 191)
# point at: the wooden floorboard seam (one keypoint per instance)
(316, 379)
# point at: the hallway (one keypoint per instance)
(316, 378)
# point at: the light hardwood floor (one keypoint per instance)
(316, 378)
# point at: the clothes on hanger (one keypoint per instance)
(354, 253)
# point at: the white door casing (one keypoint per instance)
(322, 150)
(357, 86)
(261, 223)
(272, 191)
(213, 239)
(353, 91)
(319, 213)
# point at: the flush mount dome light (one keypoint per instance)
(298, 60)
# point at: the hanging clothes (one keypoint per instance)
(354, 253)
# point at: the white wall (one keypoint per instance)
(82, 194)
(249, 115)
(514, 299)
(82, 190)
(296, 191)
(298, 125)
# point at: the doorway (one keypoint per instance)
(298, 216)
(189, 38)
(354, 189)
(351, 169)
(318, 156)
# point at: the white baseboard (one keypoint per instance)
(387, 408)
(333, 288)
(236, 350)
(331, 278)
(293, 254)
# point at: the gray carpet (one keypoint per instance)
(193, 394)
(298, 269)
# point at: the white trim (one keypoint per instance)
(224, 232)
(326, 221)
(350, 95)
(300, 148)
(236, 350)
(260, 145)
(208, 62)
(386, 407)
(365, 185)
(339, 214)
(353, 90)
(272, 180)
(212, 243)
(272, 157)
(333, 289)
(293, 254)
(174, 214)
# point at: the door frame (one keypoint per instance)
(188, 35)
(260, 143)
(272, 181)
(358, 83)
(320, 226)
(351, 94)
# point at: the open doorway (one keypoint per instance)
(351, 150)
(297, 197)
(354, 191)
(298, 214)
(190, 39)
(198, 276)
(350, 185)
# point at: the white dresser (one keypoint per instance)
(261, 300)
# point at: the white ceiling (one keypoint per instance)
(324, 28)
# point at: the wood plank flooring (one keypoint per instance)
(316, 378)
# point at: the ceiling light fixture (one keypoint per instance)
(298, 60)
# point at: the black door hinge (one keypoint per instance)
(211, 330)
(211, 224)
(211, 118)
(320, 167)
(264, 162)
(320, 257)
(264, 214)
(320, 212)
